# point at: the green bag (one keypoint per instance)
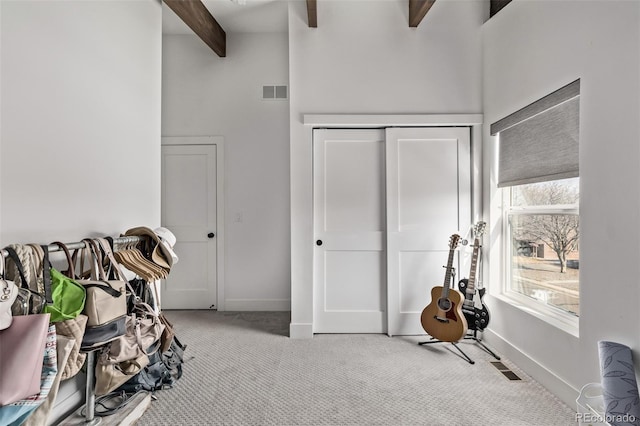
(68, 297)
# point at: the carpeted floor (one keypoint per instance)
(242, 369)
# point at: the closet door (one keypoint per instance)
(349, 232)
(428, 185)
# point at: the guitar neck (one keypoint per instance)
(447, 275)
(470, 290)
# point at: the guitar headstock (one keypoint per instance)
(453, 241)
(479, 228)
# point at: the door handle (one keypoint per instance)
(211, 235)
(319, 242)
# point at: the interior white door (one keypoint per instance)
(189, 211)
(349, 232)
(428, 182)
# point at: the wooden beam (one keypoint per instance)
(198, 18)
(417, 10)
(312, 13)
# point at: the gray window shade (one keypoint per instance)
(540, 142)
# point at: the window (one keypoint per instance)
(538, 171)
(542, 239)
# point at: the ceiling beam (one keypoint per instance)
(496, 6)
(198, 18)
(417, 10)
(312, 13)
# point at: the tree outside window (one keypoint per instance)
(544, 232)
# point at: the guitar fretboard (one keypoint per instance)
(470, 290)
(447, 275)
(474, 266)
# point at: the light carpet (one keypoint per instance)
(242, 369)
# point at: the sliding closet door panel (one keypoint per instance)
(428, 199)
(427, 212)
(427, 185)
(355, 281)
(419, 271)
(353, 197)
(189, 211)
(349, 230)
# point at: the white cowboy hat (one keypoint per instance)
(160, 254)
(167, 242)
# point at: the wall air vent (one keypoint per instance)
(274, 92)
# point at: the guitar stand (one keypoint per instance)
(478, 340)
(455, 345)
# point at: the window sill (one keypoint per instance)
(553, 316)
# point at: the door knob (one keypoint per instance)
(211, 235)
(319, 242)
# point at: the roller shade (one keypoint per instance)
(540, 142)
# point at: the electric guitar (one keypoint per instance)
(443, 318)
(474, 308)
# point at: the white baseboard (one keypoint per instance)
(257, 305)
(300, 331)
(554, 384)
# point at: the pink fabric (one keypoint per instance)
(21, 357)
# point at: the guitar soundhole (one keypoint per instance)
(444, 304)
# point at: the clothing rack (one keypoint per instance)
(81, 244)
(90, 396)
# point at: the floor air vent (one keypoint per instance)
(505, 370)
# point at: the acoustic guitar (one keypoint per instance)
(443, 318)
(474, 308)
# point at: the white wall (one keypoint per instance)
(532, 48)
(80, 113)
(366, 60)
(80, 118)
(205, 95)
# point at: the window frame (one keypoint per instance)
(555, 316)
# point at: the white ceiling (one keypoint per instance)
(255, 16)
